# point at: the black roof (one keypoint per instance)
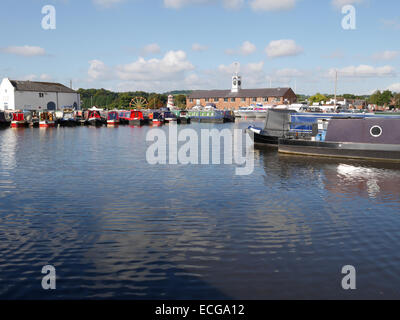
(243, 93)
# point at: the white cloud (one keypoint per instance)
(386, 55)
(152, 48)
(106, 3)
(34, 77)
(27, 51)
(233, 4)
(172, 65)
(363, 71)
(177, 4)
(45, 77)
(245, 49)
(199, 47)
(341, 3)
(395, 87)
(272, 5)
(283, 48)
(98, 70)
(256, 5)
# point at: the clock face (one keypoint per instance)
(240, 83)
(234, 82)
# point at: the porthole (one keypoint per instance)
(376, 131)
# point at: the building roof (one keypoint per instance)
(243, 93)
(40, 86)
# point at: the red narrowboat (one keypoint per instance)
(18, 120)
(94, 118)
(137, 118)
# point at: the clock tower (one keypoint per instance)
(236, 81)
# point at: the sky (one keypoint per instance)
(164, 45)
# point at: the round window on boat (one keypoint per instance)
(376, 131)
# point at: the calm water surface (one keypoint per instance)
(86, 201)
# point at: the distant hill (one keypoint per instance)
(176, 92)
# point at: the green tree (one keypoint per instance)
(318, 98)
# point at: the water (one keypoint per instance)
(86, 201)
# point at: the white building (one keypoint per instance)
(32, 95)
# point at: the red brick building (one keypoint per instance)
(238, 97)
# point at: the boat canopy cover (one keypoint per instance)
(2, 117)
(113, 115)
(277, 122)
(18, 116)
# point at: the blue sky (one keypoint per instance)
(162, 45)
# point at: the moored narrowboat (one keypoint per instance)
(170, 117)
(95, 119)
(68, 119)
(157, 118)
(5, 120)
(355, 138)
(18, 120)
(113, 118)
(47, 119)
(137, 118)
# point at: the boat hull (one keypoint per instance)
(18, 124)
(365, 151)
(262, 139)
(68, 123)
(138, 122)
(95, 122)
(47, 124)
(112, 122)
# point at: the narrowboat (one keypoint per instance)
(18, 120)
(182, 115)
(277, 125)
(113, 118)
(372, 138)
(47, 119)
(33, 119)
(170, 117)
(95, 119)
(124, 117)
(157, 118)
(5, 120)
(136, 118)
(207, 116)
(68, 119)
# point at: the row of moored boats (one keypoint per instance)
(356, 136)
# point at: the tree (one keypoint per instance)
(375, 97)
(318, 98)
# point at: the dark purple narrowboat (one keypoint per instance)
(370, 138)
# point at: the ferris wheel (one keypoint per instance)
(138, 103)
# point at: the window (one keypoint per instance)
(215, 99)
(232, 99)
(41, 95)
(226, 99)
(190, 100)
(254, 99)
(266, 99)
(207, 100)
(243, 99)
